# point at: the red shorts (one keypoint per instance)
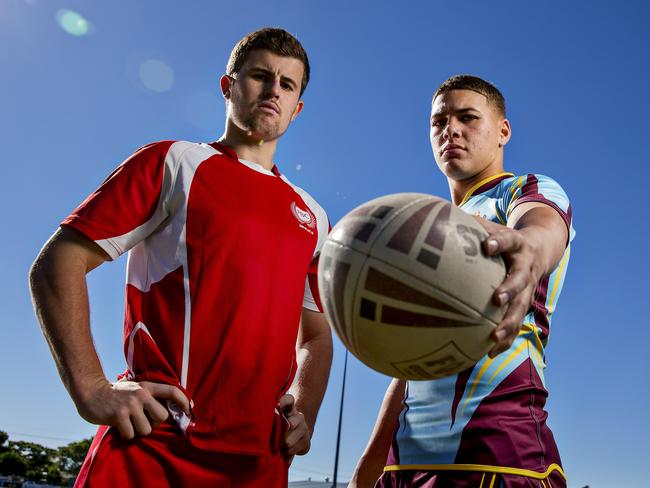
(165, 458)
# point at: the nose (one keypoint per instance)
(451, 130)
(273, 87)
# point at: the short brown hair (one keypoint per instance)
(474, 83)
(278, 41)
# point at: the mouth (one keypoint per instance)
(451, 149)
(268, 107)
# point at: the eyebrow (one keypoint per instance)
(286, 79)
(459, 111)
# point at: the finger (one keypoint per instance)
(299, 448)
(125, 428)
(141, 423)
(156, 412)
(297, 442)
(506, 332)
(286, 402)
(293, 437)
(505, 240)
(168, 392)
(513, 286)
(296, 439)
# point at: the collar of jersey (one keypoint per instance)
(230, 152)
(484, 185)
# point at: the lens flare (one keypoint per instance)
(73, 23)
(156, 75)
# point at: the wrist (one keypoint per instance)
(82, 390)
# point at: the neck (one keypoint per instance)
(458, 188)
(249, 147)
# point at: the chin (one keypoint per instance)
(451, 169)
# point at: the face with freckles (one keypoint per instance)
(467, 135)
(264, 97)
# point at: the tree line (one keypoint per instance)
(31, 461)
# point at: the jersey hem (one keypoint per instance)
(545, 201)
(478, 468)
(107, 246)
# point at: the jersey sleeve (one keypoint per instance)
(130, 204)
(311, 299)
(542, 189)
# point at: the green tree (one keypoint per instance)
(71, 456)
(53, 475)
(4, 437)
(37, 458)
(11, 463)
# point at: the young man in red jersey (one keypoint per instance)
(485, 426)
(227, 349)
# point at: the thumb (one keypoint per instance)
(286, 402)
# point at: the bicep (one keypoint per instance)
(387, 421)
(69, 245)
(313, 325)
(540, 214)
(553, 230)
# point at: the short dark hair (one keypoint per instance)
(474, 83)
(278, 41)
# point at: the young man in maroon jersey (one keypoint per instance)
(222, 315)
(485, 426)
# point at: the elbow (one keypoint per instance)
(38, 273)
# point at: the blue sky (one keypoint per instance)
(575, 76)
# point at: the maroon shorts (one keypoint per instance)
(462, 479)
(165, 458)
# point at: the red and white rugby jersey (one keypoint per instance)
(222, 259)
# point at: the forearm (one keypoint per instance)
(60, 297)
(314, 358)
(373, 459)
(545, 231)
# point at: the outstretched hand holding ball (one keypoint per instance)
(408, 287)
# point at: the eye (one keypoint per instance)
(468, 118)
(257, 76)
(286, 86)
(438, 122)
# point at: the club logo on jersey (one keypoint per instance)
(304, 217)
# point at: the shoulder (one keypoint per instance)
(530, 179)
(175, 148)
(173, 154)
(517, 186)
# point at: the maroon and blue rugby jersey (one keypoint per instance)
(491, 417)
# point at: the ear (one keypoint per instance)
(226, 85)
(504, 132)
(297, 110)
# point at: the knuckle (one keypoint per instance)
(133, 402)
(121, 414)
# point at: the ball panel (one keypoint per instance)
(386, 284)
(339, 268)
(361, 226)
(446, 360)
(403, 237)
(382, 283)
(405, 339)
(446, 252)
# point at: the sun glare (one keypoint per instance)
(73, 23)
